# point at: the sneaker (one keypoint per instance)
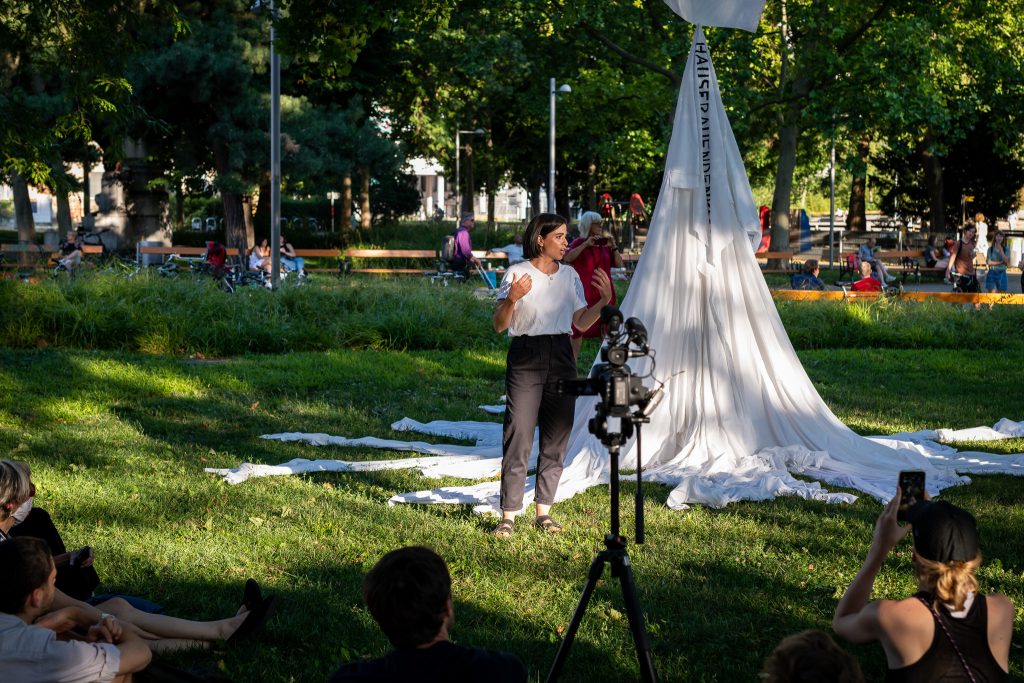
(890, 278)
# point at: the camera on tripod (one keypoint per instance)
(611, 379)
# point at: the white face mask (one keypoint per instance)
(21, 514)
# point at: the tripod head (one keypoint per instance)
(624, 402)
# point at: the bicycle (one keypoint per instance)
(964, 282)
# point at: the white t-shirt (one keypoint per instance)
(549, 305)
(33, 653)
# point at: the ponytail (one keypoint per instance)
(948, 582)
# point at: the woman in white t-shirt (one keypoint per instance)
(538, 303)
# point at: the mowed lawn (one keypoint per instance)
(118, 441)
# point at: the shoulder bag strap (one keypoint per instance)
(949, 635)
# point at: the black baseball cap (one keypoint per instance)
(943, 532)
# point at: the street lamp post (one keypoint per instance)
(551, 149)
(458, 156)
(275, 154)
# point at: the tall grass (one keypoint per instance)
(185, 316)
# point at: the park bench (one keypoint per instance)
(785, 257)
(27, 257)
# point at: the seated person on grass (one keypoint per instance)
(808, 277)
(76, 576)
(866, 283)
(160, 632)
(38, 643)
(409, 594)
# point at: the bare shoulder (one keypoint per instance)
(999, 606)
(901, 613)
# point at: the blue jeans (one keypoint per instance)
(293, 265)
(996, 279)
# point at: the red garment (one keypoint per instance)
(868, 284)
(589, 260)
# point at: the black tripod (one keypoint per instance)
(615, 555)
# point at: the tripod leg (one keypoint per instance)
(624, 571)
(593, 576)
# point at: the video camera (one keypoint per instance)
(612, 379)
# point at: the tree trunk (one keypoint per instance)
(783, 189)
(933, 180)
(857, 219)
(22, 208)
(590, 191)
(534, 200)
(261, 217)
(346, 208)
(365, 221)
(234, 223)
(250, 230)
(179, 206)
(491, 193)
(63, 205)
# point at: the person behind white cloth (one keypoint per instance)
(29, 648)
(514, 250)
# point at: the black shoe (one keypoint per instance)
(255, 619)
(252, 595)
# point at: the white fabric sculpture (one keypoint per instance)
(741, 416)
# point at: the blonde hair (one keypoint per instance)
(948, 582)
(15, 485)
(587, 219)
(979, 217)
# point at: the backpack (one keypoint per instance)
(448, 248)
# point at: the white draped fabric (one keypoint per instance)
(741, 416)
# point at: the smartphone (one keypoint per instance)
(911, 492)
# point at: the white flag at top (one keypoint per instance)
(744, 14)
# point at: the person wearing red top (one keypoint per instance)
(594, 249)
(866, 283)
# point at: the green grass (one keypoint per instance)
(118, 439)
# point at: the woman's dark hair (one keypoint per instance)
(407, 592)
(542, 225)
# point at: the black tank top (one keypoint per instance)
(941, 663)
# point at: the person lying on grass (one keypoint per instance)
(40, 643)
(162, 633)
(947, 630)
(409, 594)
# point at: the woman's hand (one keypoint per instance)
(520, 287)
(888, 532)
(603, 283)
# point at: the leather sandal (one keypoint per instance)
(546, 524)
(505, 528)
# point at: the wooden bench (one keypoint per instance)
(786, 257)
(28, 257)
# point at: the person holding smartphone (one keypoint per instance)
(539, 302)
(948, 630)
(593, 250)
